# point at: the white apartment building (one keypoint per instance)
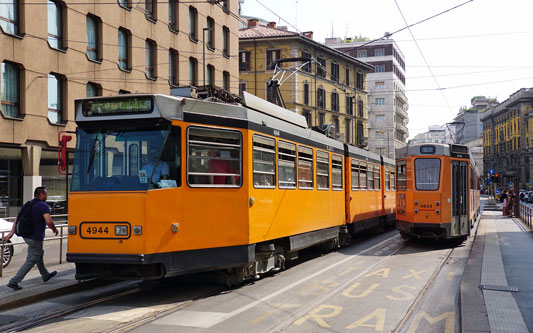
(387, 102)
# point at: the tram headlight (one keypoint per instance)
(121, 230)
(71, 229)
(137, 230)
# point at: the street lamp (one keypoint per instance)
(203, 36)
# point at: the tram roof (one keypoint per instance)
(453, 150)
(215, 113)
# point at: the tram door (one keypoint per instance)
(459, 198)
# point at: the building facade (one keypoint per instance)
(435, 134)
(329, 89)
(53, 52)
(387, 102)
(508, 139)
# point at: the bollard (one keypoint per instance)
(2, 246)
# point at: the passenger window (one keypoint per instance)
(322, 170)
(392, 180)
(287, 164)
(171, 155)
(377, 177)
(401, 171)
(336, 172)
(355, 175)
(362, 180)
(370, 176)
(214, 157)
(387, 178)
(264, 153)
(305, 167)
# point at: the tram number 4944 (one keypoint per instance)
(96, 230)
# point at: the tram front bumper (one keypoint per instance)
(425, 230)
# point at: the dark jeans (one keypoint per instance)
(35, 256)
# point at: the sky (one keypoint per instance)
(484, 47)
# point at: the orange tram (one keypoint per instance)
(167, 185)
(437, 191)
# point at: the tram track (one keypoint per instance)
(417, 303)
(47, 316)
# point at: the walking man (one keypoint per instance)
(40, 218)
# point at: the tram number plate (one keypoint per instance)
(101, 230)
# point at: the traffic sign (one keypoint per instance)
(491, 172)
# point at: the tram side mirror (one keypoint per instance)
(62, 153)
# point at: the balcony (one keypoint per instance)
(401, 96)
(402, 113)
(401, 127)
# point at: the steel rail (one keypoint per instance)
(317, 301)
(415, 305)
(32, 322)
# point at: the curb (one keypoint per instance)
(474, 316)
(21, 298)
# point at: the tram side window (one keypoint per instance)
(336, 172)
(370, 176)
(322, 170)
(392, 180)
(377, 177)
(427, 174)
(355, 175)
(214, 157)
(171, 155)
(401, 174)
(287, 164)
(387, 178)
(305, 168)
(362, 179)
(264, 162)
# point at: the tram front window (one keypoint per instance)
(427, 174)
(114, 160)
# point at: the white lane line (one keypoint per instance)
(203, 319)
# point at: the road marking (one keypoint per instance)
(317, 288)
(399, 290)
(315, 314)
(197, 319)
(379, 314)
(414, 274)
(122, 314)
(384, 272)
(263, 300)
(449, 324)
(278, 307)
(349, 269)
(367, 292)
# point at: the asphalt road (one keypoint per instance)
(380, 283)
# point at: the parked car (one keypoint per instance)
(530, 196)
(9, 250)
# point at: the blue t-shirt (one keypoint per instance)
(39, 224)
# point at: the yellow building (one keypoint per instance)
(508, 139)
(53, 51)
(328, 90)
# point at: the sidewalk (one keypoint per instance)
(33, 288)
(497, 285)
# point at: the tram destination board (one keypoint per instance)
(117, 106)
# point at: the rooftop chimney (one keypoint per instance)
(308, 34)
(252, 23)
(271, 24)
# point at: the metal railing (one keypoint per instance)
(60, 221)
(526, 214)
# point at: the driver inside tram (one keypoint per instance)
(156, 169)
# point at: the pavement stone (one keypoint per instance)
(493, 264)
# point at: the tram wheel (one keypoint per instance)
(406, 236)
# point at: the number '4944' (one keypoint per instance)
(96, 230)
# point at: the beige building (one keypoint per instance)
(52, 52)
(328, 89)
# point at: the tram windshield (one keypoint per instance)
(132, 160)
(427, 174)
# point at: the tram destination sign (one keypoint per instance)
(117, 106)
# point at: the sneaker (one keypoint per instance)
(46, 278)
(14, 286)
